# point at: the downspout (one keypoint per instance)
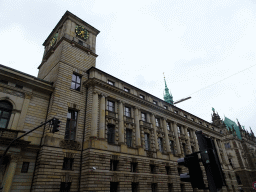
(81, 157)
(40, 143)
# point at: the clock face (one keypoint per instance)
(82, 32)
(54, 39)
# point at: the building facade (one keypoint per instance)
(113, 136)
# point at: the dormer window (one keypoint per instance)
(192, 119)
(200, 122)
(111, 83)
(155, 102)
(126, 90)
(176, 112)
(142, 97)
(165, 107)
(185, 116)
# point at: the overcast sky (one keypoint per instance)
(207, 49)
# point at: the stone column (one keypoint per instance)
(94, 114)
(177, 138)
(102, 116)
(196, 142)
(166, 132)
(188, 138)
(121, 122)
(217, 148)
(153, 121)
(7, 182)
(137, 127)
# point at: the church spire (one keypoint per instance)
(167, 96)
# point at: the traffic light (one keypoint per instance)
(194, 176)
(211, 162)
(56, 125)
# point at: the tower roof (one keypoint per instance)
(167, 96)
(231, 124)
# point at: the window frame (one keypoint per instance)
(147, 141)
(109, 106)
(129, 137)
(111, 132)
(113, 165)
(68, 130)
(7, 110)
(134, 166)
(158, 122)
(160, 144)
(126, 90)
(168, 125)
(171, 143)
(68, 164)
(76, 81)
(25, 167)
(111, 82)
(127, 111)
(145, 116)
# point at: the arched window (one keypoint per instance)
(5, 113)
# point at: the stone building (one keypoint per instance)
(113, 136)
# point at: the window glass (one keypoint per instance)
(172, 146)
(155, 102)
(5, 113)
(25, 167)
(70, 132)
(110, 106)
(129, 137)
(160, 144)
(111, 134)
(76, 82)
(147, 146)
(168, 126)
(178, 129)
(127, 90)
(157, 122)
(111, 82)
(143, 117)
(142, 96)
(127, 111)
(165, 106)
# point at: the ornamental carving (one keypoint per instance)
(11, 92)
(150, 153)
(69, 144)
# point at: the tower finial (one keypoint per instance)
(168, 96)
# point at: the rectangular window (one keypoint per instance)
(19, 86)
(176, 112)
(160, 144)
(113, 165)
(178, 129)
(110, 106)
(142, 96)
(182, 187)
(165, 107)
(154, 187)
(135, 187)
(200, 122)
(143, 116)
(134, 167)
(179, 171)
(188, 133)
(147, 143)
(167, 168)
(185, 116)
(111, 83)
(65, 186)
(127, 111)
(155, 102)
(172, 147)
(152, 169)
(126, 90)
(193, 149)
(157, 122)
(111, 134)
(168, 126)
(70, 133)
(113, 186)
(4, 82)
(184, 148)
(76, 82)
(68, 163)
(170, 187)
(129, 137)
(25, 167)
(192, 119)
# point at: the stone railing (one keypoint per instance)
(146, 124)
(8, 133)
(111, 114)
(128, 119)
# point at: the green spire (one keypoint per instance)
(167, 96)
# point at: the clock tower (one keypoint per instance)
(73, 42)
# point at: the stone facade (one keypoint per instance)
(104, 143)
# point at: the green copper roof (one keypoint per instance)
(232, 125)
(167, 96)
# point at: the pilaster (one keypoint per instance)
(121, 121)
(94, 114)
(137, 127)
(102, 116)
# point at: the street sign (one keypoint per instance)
(254, 185)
